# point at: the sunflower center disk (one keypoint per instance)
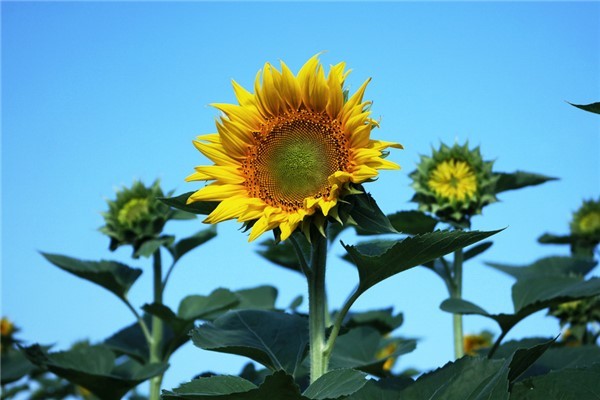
(293, 160)
(453, 180)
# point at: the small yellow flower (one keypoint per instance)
(386, 352)
(7, 328)
(472, 343)
(285, 154)
(454, 180)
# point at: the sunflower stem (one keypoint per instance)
(317, 307)
(457, 320)
(300, 255)
(157, 326)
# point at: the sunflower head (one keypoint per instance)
(284, 155)
(7, 328)
(579, 312)
(586, 221)
(454, 183)
(386, 352)
(473, 343)
(135, 216)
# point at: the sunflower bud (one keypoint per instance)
(135, 216)
(454, 184)
(586, 221)
(7, 328)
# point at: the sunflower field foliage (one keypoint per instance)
(292, 161)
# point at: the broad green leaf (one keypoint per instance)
(549, 266)
(592, 107)
(94, 368)
(13, 366)
(211, 387)
(382, 389)
(277, 340)
(282, 254)
(198, 207)
(190, 243)
(463, 379)
(408, 253)
(383, 320)
(295, 303)
(207, 307)
(111, 275)
(368, 216)
(260, 297)
(530, 296)
(518, 180)
(149, 247)
(130, 341)
(528, 293)
(256, 376)
(567, 384)
(522, 359)
(360, 348)
(278, 386)
(476, 250)
(412, 222)
(175, 329)
(336, 384)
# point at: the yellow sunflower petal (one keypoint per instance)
(244, 97)
(216, 192)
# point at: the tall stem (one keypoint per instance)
(157, 327)
(457, 320)
(317, 307)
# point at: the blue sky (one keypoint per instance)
(95, 95)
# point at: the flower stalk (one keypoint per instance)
(456, 293)
(157, 326)
(317, 308)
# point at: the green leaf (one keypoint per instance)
(207, 307)
(549, 266)
(530, 296)
(412, 222)
(190, 243)
(94, 368)
(278, 386)
(130, 341)
(13, 366)
(518, 180)
(463, 379)
(260, 297)
(179, 215)
(476, 250)
(360, 347)
(111, 275)
(278, 341)
(336, 384)
(382, 389)
(529, 293)
(368, 216)
(408, 253)
(383, 320)
(282, 254)
(567, 384)
(149, 247)
(593, 107)
(548, 238)
(198, 207)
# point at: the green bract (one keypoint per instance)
(135, 216)
(454, 183)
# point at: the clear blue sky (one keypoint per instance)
(95, 95)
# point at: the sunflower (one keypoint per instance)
(586, 220)
(287, 153)
(455, 183)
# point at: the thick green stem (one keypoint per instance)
(457, 320)
(157, 327)
(317, 308)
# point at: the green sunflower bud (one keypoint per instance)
(579, 312)
(454, 184)
(586, 221)
(135, 216)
